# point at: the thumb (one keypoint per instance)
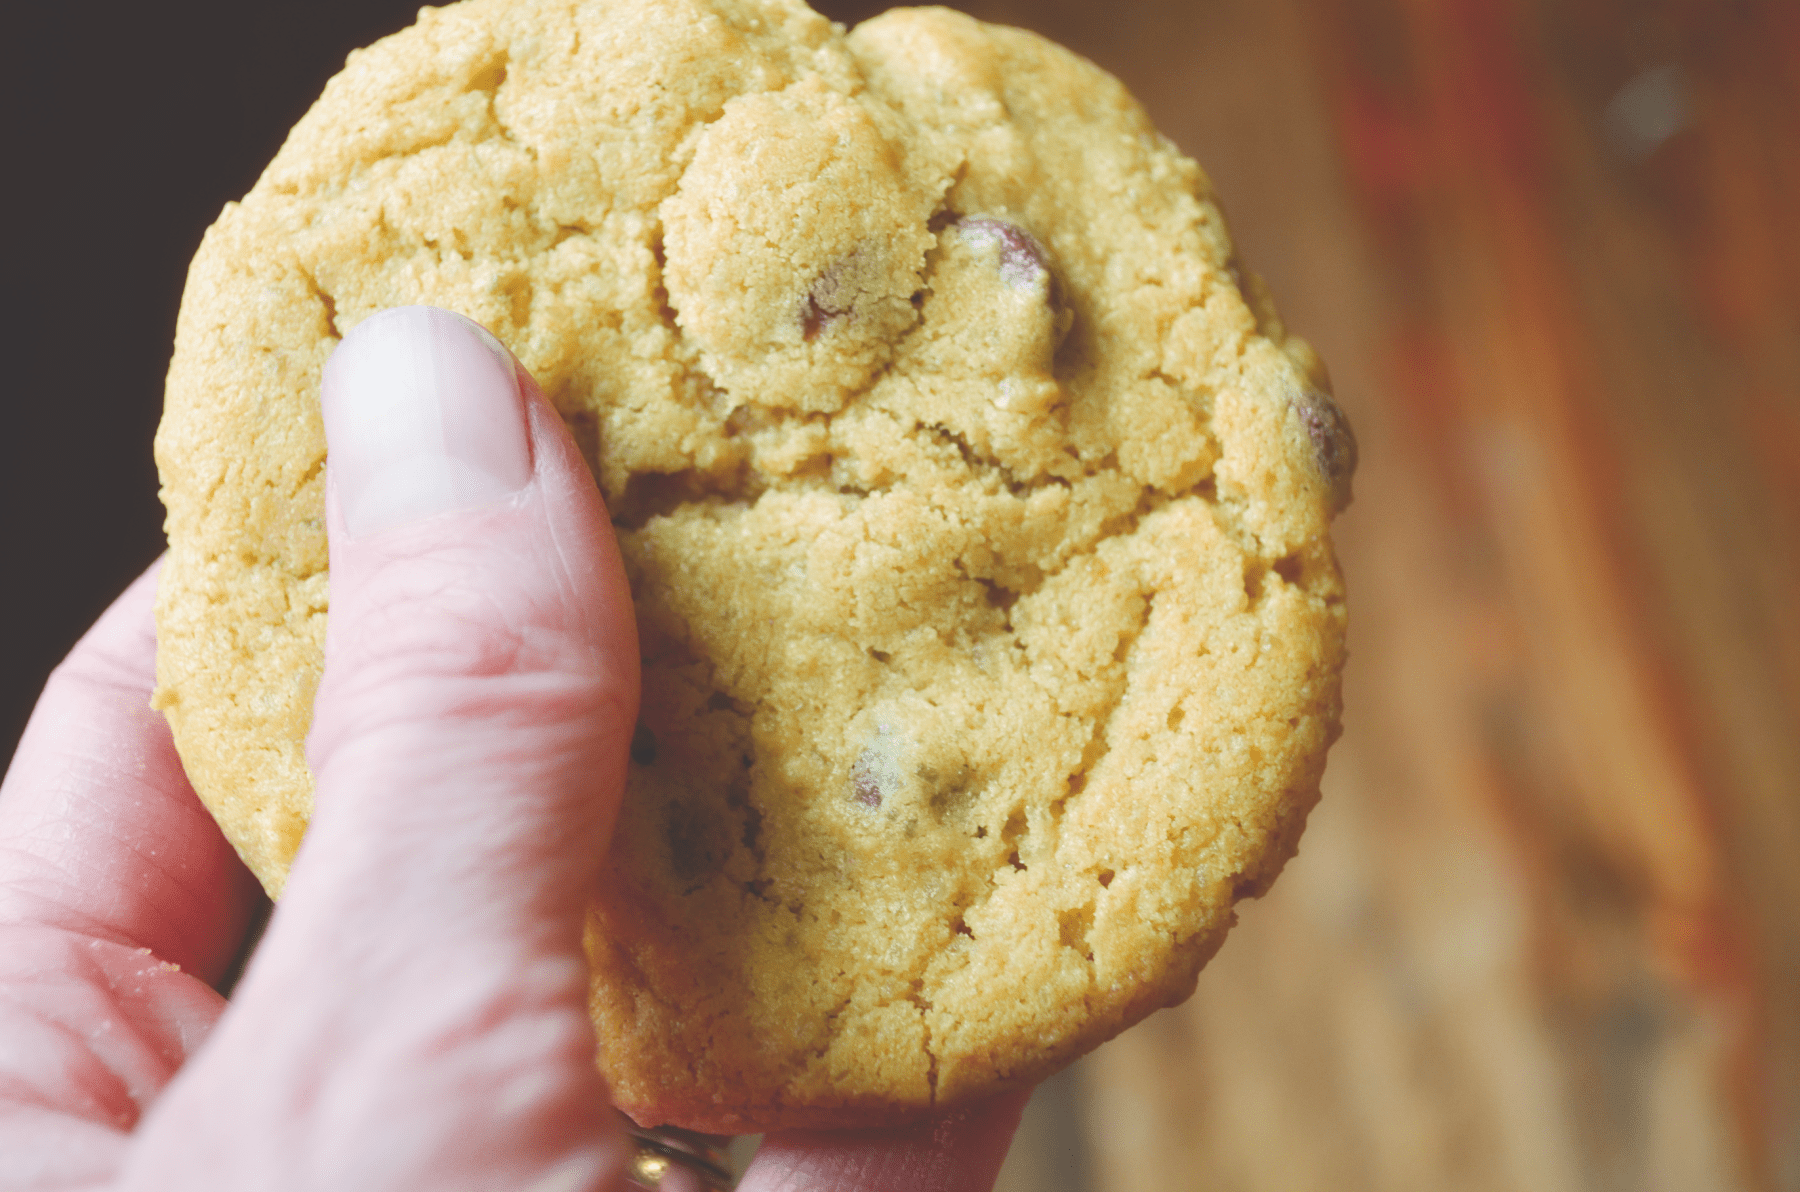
(417, 1014)
(472, 724)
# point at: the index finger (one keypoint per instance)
(100, 832)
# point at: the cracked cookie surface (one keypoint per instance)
(976, 516)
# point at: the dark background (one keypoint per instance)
(129, 127)
(132, 126)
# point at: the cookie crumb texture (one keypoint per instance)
(976, 518)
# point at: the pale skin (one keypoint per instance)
(415, 1016)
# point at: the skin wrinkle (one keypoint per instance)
(139, 1052)
(24, 900)
(465, 1028)
(122, 1114)
(506, 847)
(467, 644)
(106, 1099)
(46, 883)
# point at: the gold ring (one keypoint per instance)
(677, 1161)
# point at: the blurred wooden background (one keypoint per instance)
(1544, 931)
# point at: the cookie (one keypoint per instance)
(975, 505)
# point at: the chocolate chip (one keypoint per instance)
(643, 746)
(865, 787)
(1022, 259)
(816, 318)
(831, 298)
(695, 847)
(1333, 442)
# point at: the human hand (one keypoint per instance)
(416, 1014)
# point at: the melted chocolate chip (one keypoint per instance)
(815, 319)
(868, 791)
(1333, 443)
(865, 787)
(831, 298)
(1022, 259)
(695, 847)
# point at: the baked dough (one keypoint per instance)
(975, 505)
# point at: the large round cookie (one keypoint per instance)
(975, 506)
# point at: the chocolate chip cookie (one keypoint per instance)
(975, 503)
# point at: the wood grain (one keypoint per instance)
(1542, 931)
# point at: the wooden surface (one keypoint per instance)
(1542, 932)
